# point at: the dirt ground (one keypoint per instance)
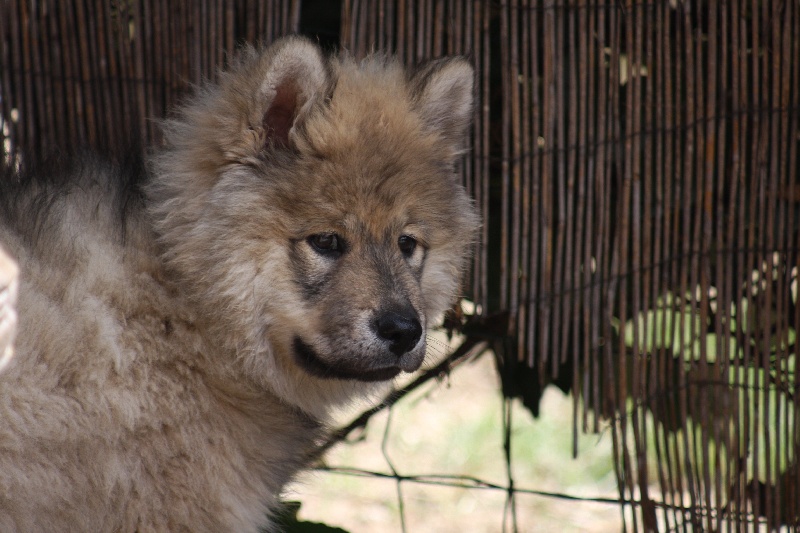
(454, 427)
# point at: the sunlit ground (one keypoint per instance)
(455, 427)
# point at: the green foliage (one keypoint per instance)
(734, 385)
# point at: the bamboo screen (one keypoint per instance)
(637, 167)
(649, 232)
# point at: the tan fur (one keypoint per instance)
(157, 383)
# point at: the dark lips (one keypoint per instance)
(308, 359)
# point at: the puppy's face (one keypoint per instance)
(362, 293)
(311, 208)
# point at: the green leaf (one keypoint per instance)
(310, 527)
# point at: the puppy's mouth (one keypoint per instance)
(310, 361)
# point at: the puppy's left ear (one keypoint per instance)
(442, 91)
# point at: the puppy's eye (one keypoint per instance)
(326, 244)
(407, 245)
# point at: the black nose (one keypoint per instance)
(401, 329)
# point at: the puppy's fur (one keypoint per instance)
(181, 342)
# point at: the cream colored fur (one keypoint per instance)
(155, 386)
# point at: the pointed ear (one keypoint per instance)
(442, 92)
(295, 75)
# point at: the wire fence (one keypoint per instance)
(637, 167)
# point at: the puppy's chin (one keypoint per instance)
(308, 359)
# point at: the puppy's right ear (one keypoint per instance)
(442, 91)
(296, 74)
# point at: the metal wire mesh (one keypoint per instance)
(637, 167)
